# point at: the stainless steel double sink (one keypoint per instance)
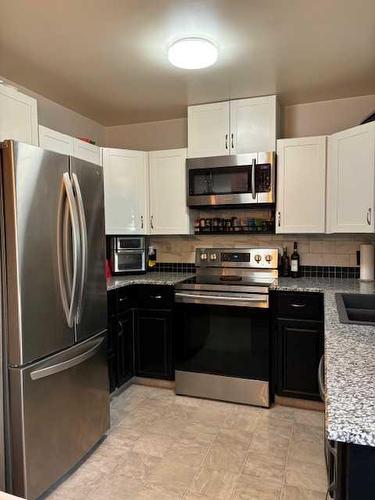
(356, 308)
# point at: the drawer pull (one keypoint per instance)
(123, 299)
(298, 306)
(156, 297)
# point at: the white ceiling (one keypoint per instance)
(107, 58)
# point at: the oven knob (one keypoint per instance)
(268, 258)
(213, 256)
(258, 258)
(203, 256)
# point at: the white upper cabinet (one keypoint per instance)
(55, 141)
(168, 211)
(125, 191)
(86, 151)
(350, 180)
(233, 127)
(208, 130)
(253, 125)
(301, 185)
(65, 144)
(18, 116)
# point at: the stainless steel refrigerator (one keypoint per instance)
(53, 307)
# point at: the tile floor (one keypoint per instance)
(167, 447)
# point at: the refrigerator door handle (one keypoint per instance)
(84, 245)
(69, 363)
(67, 197)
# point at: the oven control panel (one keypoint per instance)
(262, 258)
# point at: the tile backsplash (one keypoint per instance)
(315, 250)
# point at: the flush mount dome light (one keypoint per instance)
(192, 53)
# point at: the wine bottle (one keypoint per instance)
(294, 263)
(285, 264)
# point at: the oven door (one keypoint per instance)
(223, 352)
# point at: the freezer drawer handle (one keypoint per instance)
(65, 365)
(83, 229)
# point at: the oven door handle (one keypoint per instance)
(253, 167)
(222, 297)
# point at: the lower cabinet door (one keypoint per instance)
(125, 347)
(299, 346)
(153, 344)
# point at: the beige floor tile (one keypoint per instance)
(309, 432)
(190, 449)
(172, 476)
(275, 427)
(266, 467)
(253, 488)
(279, 412)
(306, 450)
(211, 415)
(293, 493)
(306, 475)
(218, 485)
(307, 417)
(116, 487)
(153, 444)
(226, 458)
(269, 443)
(137, 465)
(155, 493)
(202, 428)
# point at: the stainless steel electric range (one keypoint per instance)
(223, 326)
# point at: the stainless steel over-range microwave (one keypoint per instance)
(244, 179)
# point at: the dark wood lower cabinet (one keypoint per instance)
(125, 347)
(299, 347)
(154, 344)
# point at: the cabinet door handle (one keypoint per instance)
(152, 222)
(369, 216)
(279, 219)
(226, 141)
(156, 297)
(123, 299)
(141, 221)
(232, 140)
(298, 306)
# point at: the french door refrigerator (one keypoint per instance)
(53, 291)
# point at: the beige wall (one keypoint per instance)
(314, 250)
(325, 117)
(67, 121)
(299, 120)
(150, 136)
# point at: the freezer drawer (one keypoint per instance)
(59, 410)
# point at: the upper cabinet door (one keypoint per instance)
(350, 180)
(86, 151)
(301, 185)
(55, 141)
(125, 191)
(18, 116)
(253, 125)
(208, 130)
(169, 213)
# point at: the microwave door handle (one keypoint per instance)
(253, 167)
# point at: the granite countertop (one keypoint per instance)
(349, 362)
(152, 278)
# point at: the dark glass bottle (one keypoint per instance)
(295, 263)
(285, 263)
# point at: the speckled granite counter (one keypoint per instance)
(349, 362)
(153, 278)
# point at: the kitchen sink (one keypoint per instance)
(356, 308)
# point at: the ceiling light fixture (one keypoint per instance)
(193, 53)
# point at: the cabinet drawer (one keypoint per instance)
(124, 299)
(300, 305)
(154, 296)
